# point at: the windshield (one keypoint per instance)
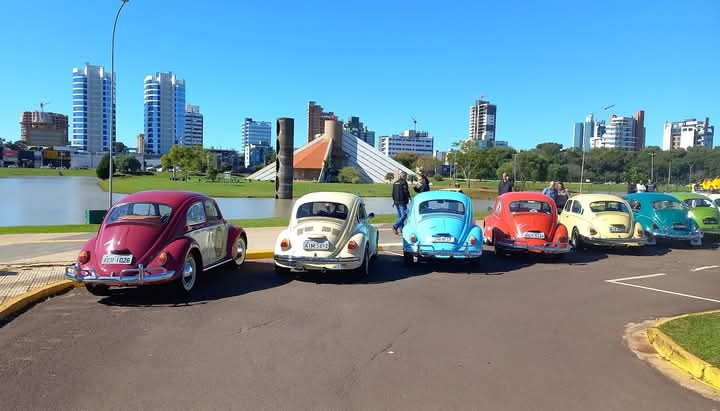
(717, 202)
(698, 202)
(608, 206)
(442, 206)
(145, 212)
(322, 209)
(668, 205)
(530, 206)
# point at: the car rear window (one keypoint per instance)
(442, 206)
(608, 206)
(322, 209)
(668, 205)
(144, 212)
(698, 202)
(530, 206)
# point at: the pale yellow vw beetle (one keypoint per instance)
(602, 220)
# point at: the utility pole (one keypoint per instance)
(652, 165)
(669, 169)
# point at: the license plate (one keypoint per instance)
(316, 245)
(617, 229)
(534, 235)
(117, 259)
(443, 239)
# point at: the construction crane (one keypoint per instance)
(42, 106)
(414, 124)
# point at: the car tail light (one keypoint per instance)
(352, 245)
(163, 258)
(640, 231)
(473, 240)
(285, 244)
(593, 232)
(413, 238)
(84, 257)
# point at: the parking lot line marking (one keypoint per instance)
(393, 253)
(707, 267)
(637, 277)
(696, 297)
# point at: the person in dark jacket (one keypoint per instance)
(651, 187)
(401, 198)
(505, 185)
(631, 187)
(423, 185)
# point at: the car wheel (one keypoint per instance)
(576, 241)
(364, 270)
(188, 277)
(101, 290)
(239, 251)
(407, 258)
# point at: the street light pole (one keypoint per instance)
(582, 166)
(652, 165)
(112, 103)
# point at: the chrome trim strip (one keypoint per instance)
(429, 250)
(550, 248)
(144, 275)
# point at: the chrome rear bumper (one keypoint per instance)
(317, 263)
(131, 276)
(616, 241)
(429, 251)
(548, 248)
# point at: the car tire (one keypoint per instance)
(576, 240)
(100, 290)
(189, 275)
(407, 258)
(240, 247)
(364, 270)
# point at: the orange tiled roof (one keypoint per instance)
(311, 157)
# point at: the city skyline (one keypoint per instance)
(538, 72)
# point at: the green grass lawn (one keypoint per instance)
(245, 223)
(14, 172)
(699, 334)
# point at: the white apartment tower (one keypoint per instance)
(164, 112)
(482, 122)
(688, 133)
(93, 113)
(410, 141)
(193, 135)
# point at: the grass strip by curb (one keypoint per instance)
(668, 349)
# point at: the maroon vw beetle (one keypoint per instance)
(525, 222)
(155, 237)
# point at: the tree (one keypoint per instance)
(506, 167)
(166, 162)
(465, 157)
(121, 163)
(409, 160)
(189, 159)
(133, 164)
(426, 164)
(270, 156)
(349, 175)
(389, 176)
(103, 167)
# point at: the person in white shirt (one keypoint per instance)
(641, 187)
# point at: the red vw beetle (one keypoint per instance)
(525, 222)
(155, 237)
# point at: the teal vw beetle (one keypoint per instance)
(664, 217)
(439, 225)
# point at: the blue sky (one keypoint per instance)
(545, 64)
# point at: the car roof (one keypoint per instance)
(596, 197)
(339, 197)
(685, 196)
(525, 195)
(650, 196)
(173, 198)
(441, 195)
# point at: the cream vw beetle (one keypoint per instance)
(327, 232)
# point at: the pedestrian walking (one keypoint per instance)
(401, 198)
(423, 185)
(651, 187)
(562, 197)
(551, 191)
(505, 185)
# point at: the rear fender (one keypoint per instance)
(233, 233)
(476, 232)
(177, 250)
(561, 234)
(89, 247)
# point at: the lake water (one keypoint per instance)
(63, 200)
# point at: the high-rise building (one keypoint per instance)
(316, 120)
(588, 131)
(140, 143)
(639, 130)
(256, 137)
(355, 127)
(38, 128)
(482, 122)
(164, 112)
(93, 113)
(618, 134)
(410, 141)
(577, 139)
(193, 134)
(688, 133)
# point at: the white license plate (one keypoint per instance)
(617, 230)
(443, 239)
(534, 235)
(316, 245)
(117, 259)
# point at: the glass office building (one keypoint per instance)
(92, 110)
(164, 112)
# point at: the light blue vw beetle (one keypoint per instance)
(440, 225)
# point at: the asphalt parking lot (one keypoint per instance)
(514, 333)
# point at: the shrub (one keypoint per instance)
(349, 175)
(103, 167)
(438, 177)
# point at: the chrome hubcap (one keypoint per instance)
(188, 277)
(239, 251)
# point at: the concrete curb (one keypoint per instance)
(21, 301)
(669, 350)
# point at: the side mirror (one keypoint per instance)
(371, 215)
(489, 208)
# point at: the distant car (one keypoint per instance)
(440, 225)
(715, 198)
(601, 219)
(327, 232)
(663, 216)
(703, 210)
(156, 237)
(524, 221)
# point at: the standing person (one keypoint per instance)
(651, 187)
(562, 197)
(423, 185)
(505, 185)
(641, 187)
(401, 198)
(631, 188)
(551, 191)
